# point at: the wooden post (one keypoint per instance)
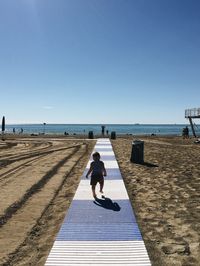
(192, 126)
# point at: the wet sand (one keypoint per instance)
(39, 176)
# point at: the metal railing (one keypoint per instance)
(194, 112)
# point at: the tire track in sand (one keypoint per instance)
(35, 184)
(22, 223)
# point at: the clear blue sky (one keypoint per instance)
(99, 61)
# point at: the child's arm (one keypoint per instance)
(89, 171)
(104, 171)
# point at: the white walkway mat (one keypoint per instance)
(102, 231)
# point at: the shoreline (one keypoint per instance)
(84, 129)
(96, 136)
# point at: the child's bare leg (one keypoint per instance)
(93, 191)
(101, 186)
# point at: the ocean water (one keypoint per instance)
(134, 129)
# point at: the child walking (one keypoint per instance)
(97, 171)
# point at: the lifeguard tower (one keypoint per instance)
(191, 114)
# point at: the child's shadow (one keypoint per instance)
(107, 204)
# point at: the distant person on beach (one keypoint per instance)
(102, 130)
(97, 171)
(185, 132)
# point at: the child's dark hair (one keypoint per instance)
(96, 155)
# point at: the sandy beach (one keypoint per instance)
(165, 194)
(38, 179)
(39, 176)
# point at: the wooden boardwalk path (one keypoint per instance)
(101, 232)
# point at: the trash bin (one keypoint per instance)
(113, 135)
(90, 135)
(137, 153)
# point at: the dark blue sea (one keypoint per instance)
(134, 129)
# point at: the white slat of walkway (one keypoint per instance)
(101, 232)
